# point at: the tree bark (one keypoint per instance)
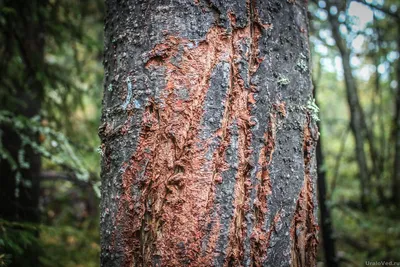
(207, 135)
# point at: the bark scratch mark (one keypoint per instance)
(260, 236)
(174, 187)
(304, 229)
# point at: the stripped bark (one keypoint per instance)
(208, 142)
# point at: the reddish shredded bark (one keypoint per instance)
(281, 108)
(260, 237)
(176, 176)
(241, 100)
(304, 229)
(169, 168)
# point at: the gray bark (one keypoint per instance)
(207, 135)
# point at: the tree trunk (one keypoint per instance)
(208, 135)
(357, 119)
(30, 48)
(380, 160)
(328, 241)
(19, 195)
(396, 170)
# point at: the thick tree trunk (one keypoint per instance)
(19, 200)
(19, 194)
(207, 135)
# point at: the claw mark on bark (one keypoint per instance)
(173, 189)
(304, 229)
(170, 181)
(259, 238)
(192, 196)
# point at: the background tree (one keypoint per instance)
(367, 56)
(327, 234)
(19, 199)
(49, 59)
(19, 195)
(208, 135)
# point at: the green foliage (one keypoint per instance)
(55, 146)
(63, 134)
(14, 239)
(371, 235)
(59, 246)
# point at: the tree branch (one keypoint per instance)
(64, 176)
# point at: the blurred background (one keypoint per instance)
(51, 87)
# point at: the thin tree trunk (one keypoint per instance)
(326, 219)
(357, 121)
(396, 170)
(207, 134)
(328, 240)
(379, 171)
